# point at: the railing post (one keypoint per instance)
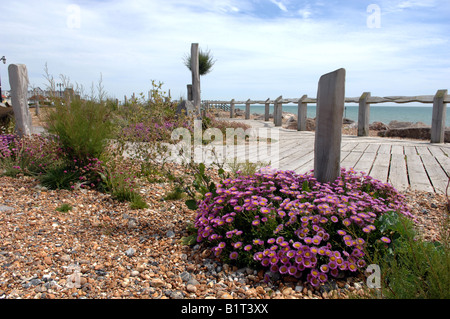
(232, 109)
(266, 110)
(302, 113)
(247, 109)
(278, 111)
(364, 115)
(330, 111)
(439, 117)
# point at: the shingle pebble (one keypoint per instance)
(103, 249)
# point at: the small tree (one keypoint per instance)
(205, 60)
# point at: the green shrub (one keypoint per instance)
(60, 177)
(83, 128)
(411, 267)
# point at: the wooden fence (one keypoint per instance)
(439, 101)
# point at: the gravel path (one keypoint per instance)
(102, 249)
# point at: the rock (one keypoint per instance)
(193, 282)
(130, 252)
(287, 291)
(328, 286)
(185, 276)
(191, 288)
(272, 276)
(170, 234)
(378, 126)
(260, 290)
(226, 295)
(186, 108)
(157, 283)
(421, 133)
(4, 208)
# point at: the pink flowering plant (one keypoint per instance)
(296, 226)
(30, 155)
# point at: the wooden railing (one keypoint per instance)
(439, 101)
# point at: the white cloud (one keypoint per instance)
(306, 12)
(280, 5)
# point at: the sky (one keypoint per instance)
(262, 48)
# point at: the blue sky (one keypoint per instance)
(263, 48)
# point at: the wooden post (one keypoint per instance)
(18, 81)
(189, 92)
(330, 110)
(364, 115)
(439, 117)
(247, 109)
(232, 109)
(195, 77)
(266, 110)
(302, 113)
(278, 111)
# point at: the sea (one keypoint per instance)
(378, 113)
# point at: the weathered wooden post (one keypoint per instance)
(364, 115)
(232, 109)
(247, 109)
(189, 92)
(439, 117)
(278, 112)
(302, 113)
(18, 81)
(266, 110)
(329, 115)
(195, 76)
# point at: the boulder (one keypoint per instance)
(378, 126)
(420, 133)
(187, 108)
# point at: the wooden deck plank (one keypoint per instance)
(418, 178)
(348, 147)
(351, 159)
(384, 149)
(305, 159)
(380, 168)
(361, 147)
(372, 148)
(397, 149)
(397, 172)
(423, 150)
(410, 150)
(365, 162)
(435, 173)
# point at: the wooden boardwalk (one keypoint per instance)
(418, 165)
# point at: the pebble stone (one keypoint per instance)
(92, 252)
